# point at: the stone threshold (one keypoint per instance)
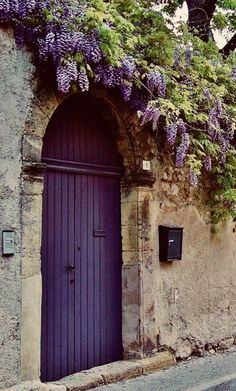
(102, 375)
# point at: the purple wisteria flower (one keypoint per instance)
(207, 162)
(193, 178)
(66, 73)
(126, 91)
(5, 10)
(220, 129)
(218, 107)
(213, 123)
(83, 80)
(177, 57)
(151, 114)
(229, 128)
(128, 67)
(206, 92)
(156, 82)
(171, 133)
(72, 70)
(188, 56)
(233, 74)
(155, 119)
(181, 126)
(91, 48)
(108, 75)
(182, 150)
(63, 81)
(139, 99)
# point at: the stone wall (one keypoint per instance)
(15, 97)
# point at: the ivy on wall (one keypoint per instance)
(175, 82)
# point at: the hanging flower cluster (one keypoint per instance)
(175, 82)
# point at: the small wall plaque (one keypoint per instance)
(146, 165)
(8, 242)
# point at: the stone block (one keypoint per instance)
(129, 238)
(32, 209)
(36, 386)
(81, 381)
(129, 258)
(30, 386)
(129, 213)
(54, 387)
(31, 327)
(129, 195)
(159, 361)
(31, 147)
(32, 187)
(30, 264)
(130, 311)
(31, 234)
(130, 281)
(117, 371)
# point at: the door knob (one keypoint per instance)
(70, 268)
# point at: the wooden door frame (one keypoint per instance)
(133, 193)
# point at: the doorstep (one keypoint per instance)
(102, 375)
(116, 371)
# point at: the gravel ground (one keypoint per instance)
(184, 376)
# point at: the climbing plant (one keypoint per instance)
(176, 81)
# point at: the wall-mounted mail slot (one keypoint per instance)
(170, 242)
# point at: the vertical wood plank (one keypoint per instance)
(57, 272)
(97, 275)
(78, 293)
(91, 326)
(71, 274)
(64, 275)
(84, 272)
(103, 276)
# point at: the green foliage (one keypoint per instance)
(227, 4)
(224, 200)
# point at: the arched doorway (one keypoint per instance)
(81, 242)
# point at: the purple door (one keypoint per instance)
(81, 242)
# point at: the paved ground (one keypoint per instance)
(188, 375)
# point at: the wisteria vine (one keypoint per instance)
(177, 92)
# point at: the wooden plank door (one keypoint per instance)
(81, 244)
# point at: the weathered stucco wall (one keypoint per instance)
(195, 297)
(185, 306)
(15, 95)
